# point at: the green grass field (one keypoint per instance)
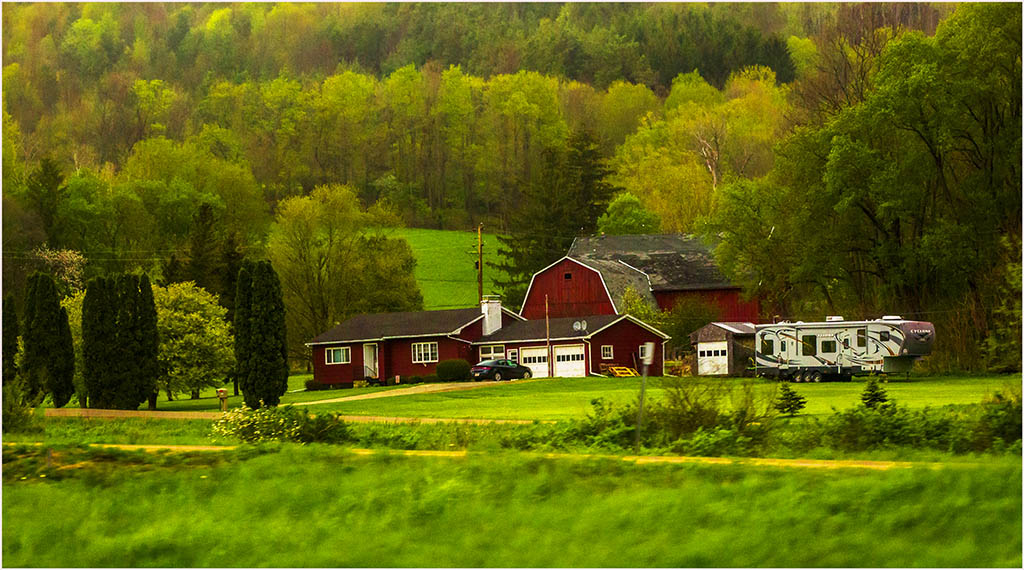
(565, 398)
(295, 506)
(444, 266)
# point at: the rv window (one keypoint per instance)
(846, 343)
(862, 338)
(828, 346)
(883, 336)
(810, 345)
(767, 346)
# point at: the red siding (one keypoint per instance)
(397, 356)
(337, 373)
(625, 338)
(581, 295)
(730, 303)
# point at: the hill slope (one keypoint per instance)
(445, 267)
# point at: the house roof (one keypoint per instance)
(390, 325)
(671, 262)
(561, 328)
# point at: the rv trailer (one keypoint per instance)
(838, 349)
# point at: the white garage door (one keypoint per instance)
(570, 361)
(712, 358)
(536, 359)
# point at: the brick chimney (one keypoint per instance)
(490, 306)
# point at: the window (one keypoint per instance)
(423, 352)
(767, 346)
(883, 336)
(539, 359)
(493, 351)
(568, 275)
(782, 347)
(862, 338)
(810, 345)
(643, 351)
(828, 346)
(606, 352)
(513, 355)
(341, 355)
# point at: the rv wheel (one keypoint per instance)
(798, 376)
(815, 376)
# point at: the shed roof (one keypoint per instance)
(672, 262)
(391, 325)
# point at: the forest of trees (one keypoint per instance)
(840, 157)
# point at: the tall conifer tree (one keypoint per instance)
(149, 340)
(267, 375)
(99, 335)
(10, 340)
(49, 355)
(243, 307)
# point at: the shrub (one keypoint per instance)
(415, 380)
(430, 378)
(789, 403)
(1000, 420)
(18, 414)
(313, 385)
(454, 370)
(360, 384)
(280, 424)
(873, 396)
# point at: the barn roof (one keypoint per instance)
(672, 262)
(391, 325)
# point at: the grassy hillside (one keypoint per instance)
(445, 269)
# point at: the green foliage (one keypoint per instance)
(10, 339)
(455, 370)
(49, 359)
(280, 424)
(241, 325)
(18, 413)
(789, 402)
(335, 261)
(263, 374)
(196, 346)
(874, 396)
(627, 215)
(99, 332)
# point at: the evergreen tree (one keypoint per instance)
(572, 195)
(49, 363)
(227, 274)
(10, 340)
(99, 336)
(173, 271)
(126, 368)
(148, 341)
(789, 402)
(62, 363)
(46, 192)
(874, 397)
(202, 249)
(267, 376)
(243, 307)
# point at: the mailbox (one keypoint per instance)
(223, 395)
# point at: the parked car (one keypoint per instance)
(499, 370)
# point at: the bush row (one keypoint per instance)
(693, 418)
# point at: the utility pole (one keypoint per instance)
(479, 263)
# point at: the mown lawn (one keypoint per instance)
(445, 267)
(316, 506)
(564, 398)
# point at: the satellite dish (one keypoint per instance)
(577, 326)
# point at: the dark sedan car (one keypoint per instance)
(499, 370)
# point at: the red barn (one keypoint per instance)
(664, 269)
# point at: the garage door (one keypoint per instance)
(570, 361)
(712, 358)
(536, 359)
